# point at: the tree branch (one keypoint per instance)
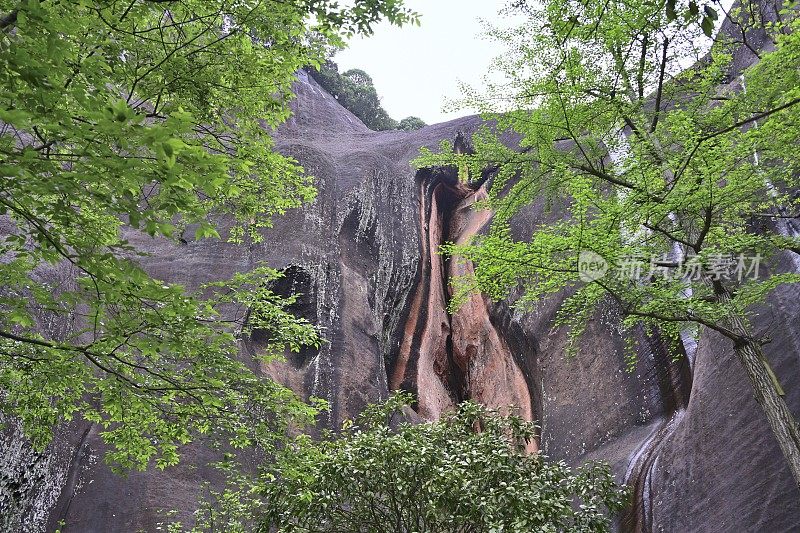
(660, 90)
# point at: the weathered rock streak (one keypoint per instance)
(446, 358)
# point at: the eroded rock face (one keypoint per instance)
(688, 437)
(491, 373)
(446, 358)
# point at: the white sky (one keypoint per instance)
(415, 68)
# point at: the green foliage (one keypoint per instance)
(692, 12)
(355, 91)
(411, 123)
(148, 117)
(638, 158)
(469, 472)
(231, 508)
(703, 13)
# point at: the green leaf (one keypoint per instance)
(205, 231)
(707, 24)
(670, 7)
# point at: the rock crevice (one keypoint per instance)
(445, 358)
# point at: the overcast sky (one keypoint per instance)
(416, 68)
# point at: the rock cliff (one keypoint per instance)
(687, 435)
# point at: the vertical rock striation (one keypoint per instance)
(446, 358)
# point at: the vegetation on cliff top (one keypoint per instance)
(356, 92)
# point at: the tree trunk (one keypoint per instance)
(779, 417)
(766, 389)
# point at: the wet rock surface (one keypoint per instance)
(688, 437)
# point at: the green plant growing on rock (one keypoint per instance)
(675, 178)
(411, 123)
(121, 120)
(468, 472)
(356, 92)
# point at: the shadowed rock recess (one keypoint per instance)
(688, 435)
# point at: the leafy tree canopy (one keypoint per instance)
(703, 12)
(355, 91)
(148, 115)
(675, 179)
(469, 472)
(411, 123)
